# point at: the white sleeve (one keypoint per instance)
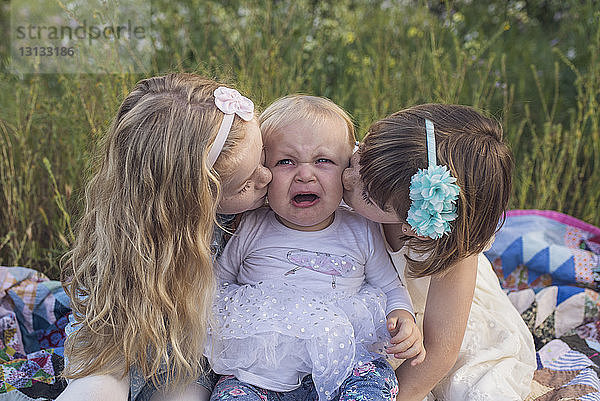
(380, 272)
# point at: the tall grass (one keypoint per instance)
(48, 129)
(540, 79)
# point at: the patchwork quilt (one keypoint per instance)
(549, 264)
(33, 315)
(546, 261)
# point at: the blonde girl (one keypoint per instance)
(180, 150)
(438, 177)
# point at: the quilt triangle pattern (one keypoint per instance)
(538, 264)
(564, 273)
(512, 256)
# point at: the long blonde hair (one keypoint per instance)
(140, 273)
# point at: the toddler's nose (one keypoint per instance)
(304, 172)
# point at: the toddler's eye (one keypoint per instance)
(284, 162)
(323, 160)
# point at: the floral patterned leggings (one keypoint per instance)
(373, 381)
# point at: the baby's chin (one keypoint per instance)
(304, 221)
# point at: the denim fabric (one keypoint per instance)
(141, 389)
(372, 381)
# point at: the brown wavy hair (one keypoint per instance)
(140, 274)
(471, 145)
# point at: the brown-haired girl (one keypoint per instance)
(439, 177)
(140, 276)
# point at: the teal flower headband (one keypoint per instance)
(433, 193)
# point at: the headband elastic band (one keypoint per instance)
(230, 102)
(431, 150)
(217, 146)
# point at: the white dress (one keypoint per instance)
(497, 357)
(293, 303)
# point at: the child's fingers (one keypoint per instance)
(413, 351)
(404, 331)
(419, 358)
(392, 323)
(403, 345)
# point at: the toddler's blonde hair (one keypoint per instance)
(293, 108)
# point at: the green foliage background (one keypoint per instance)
(532, 64)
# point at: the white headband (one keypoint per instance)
(230, 102)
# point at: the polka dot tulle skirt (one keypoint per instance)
(276, 333)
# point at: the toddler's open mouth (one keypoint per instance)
(305, 200)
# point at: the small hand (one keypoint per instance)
(407, 340)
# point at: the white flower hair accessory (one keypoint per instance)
(230, 102)
(433, 193)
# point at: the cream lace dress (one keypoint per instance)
(497, 357)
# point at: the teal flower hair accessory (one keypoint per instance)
(433, 193)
